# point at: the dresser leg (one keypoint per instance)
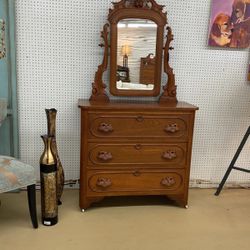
(179, 199)
(182, 203)
(86, 202)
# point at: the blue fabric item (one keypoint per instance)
(15, 174)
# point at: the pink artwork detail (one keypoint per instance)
(230, 24)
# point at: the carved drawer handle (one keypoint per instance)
(105, 128)
(103, 182)
(168, 181)
(136, 173)
(104, 156)
(140, 118)
(172, 128)
(169, 155)
(138, 146)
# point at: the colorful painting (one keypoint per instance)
(230, 24)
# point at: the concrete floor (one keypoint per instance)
(132, 223)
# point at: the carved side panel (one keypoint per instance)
(169, 90)
(98, 86)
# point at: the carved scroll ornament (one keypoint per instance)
(98, 87)
(169, 90)
(140, 4)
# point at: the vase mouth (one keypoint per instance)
(51, 110)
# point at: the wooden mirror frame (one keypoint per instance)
(143, 9)
(128, 9)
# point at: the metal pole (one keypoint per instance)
(231, 166)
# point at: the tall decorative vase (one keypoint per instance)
(51, 122)
(48, 170)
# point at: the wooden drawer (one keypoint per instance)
(162, 155)
(135, 181)
(138, 126)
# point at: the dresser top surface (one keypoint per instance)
(86, 104)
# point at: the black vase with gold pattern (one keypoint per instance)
(48, 170)
(51, 122)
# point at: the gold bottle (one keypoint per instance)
(51, 123)
(48, 170)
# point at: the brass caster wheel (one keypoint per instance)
(186, 206)
(83, 210)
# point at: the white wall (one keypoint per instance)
(58, 54)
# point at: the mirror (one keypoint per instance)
(136, 46)
(133, 41)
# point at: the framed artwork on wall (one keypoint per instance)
(230, 24)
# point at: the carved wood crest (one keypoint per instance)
(145, 4)
(139, 5)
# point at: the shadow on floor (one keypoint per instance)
(134, 201)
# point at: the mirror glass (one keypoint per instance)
(136, 48)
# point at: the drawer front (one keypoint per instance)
(138, 126)
(135, 181)
(164, 155)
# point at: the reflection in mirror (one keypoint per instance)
(136, 46)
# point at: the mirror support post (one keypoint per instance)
(98, 87)
(169, 90)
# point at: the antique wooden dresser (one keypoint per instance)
(135, 147)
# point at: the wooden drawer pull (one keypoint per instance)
(136, 173)
(172, 128)
(140, 118)
(169, 155)
(103, 182)
(137, 146)
(168, 181)
(104, 156)
(105, 128)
